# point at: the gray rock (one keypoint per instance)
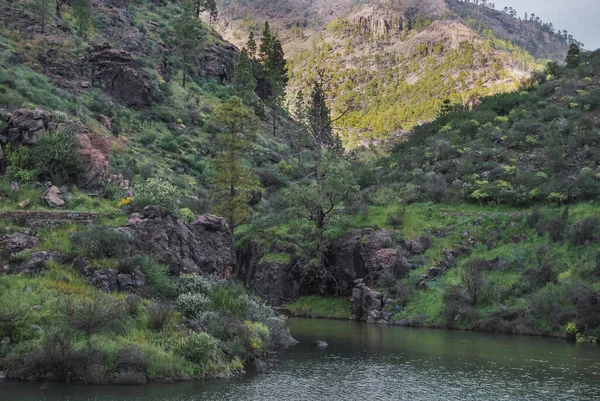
(366, 303)
(205, 245)
(17, 242)
(2, 375)
(5, 341)
(321, 344)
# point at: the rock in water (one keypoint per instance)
(53, 197)
(321, 344)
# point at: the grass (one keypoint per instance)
(320, 307)
(277, 257)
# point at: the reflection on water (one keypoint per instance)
(365, 362)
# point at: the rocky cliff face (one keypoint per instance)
(203, 246)
(25, 126)
(361, 255)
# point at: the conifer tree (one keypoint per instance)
(82, 11)
(251, 46)
(244, 82)
(233, 183)
(190, 37)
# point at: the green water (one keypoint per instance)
(365, 362)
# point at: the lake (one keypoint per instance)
(367, 362)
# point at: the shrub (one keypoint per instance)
(201, 348)
(158, 282)
(186, 215)
(91, 314)
(537, 278)
(113, 192)
(584, 231)
(396, 217)
(459, 307)
(192, 304)
(156, 192)
(13, 317)
(556, 227)
(472, 278)
(159, 315)
(55, 157)
(100, 242)
(130, 358)
(132, 304)
(534, 218)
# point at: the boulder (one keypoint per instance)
(205, 245)
(17, 242)
(366, 303)
(111, 280)
(37, 262)
(2, 375)
(321, 344)
(52, 197)
(419, 245)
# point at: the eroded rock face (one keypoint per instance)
(95, 151)
(203, 246)
(120, 76)
(366, 303)
(26, 126)
(364, 254)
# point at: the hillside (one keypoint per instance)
(396, 62)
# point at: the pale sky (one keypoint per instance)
(580, 17)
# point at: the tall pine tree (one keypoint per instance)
(189, 35)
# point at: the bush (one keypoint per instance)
(459, 309)
(192, 304)
(396, 218)
(158, 282)
(92, 314)
(132, 304)
(159, 315)
(113, 192)
(583, 232)
(14, 316)
(472, 278)
(55, 157)
(534, 218)
(100, 242)
(556, 227)
(201, 348)
(130, 358)
(156, 192)
(537, 278)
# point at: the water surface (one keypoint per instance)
(366, 362)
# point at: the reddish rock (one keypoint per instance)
(53, 197)
(95, 150)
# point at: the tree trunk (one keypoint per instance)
(59, 9)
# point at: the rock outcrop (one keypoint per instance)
(110, 279)
(364, 254)
(203, 246)
(367, 304)
(24, 127)
(16, 242)
(95, 151)
(120, 76)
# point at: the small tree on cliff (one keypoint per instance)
(244, 82)
(233, 183)
(43, 9)
(190, 37)
(82, 11)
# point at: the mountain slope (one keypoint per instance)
(396, 62)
